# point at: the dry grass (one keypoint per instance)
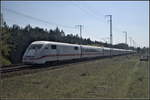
(119, 77)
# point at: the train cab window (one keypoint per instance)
(76, 48)
(35, 46)
(53, 46)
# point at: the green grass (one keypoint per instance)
(119, 77)
(4, 61)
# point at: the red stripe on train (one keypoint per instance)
(51, 55)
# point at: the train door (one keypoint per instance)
(53, 52)
(63, 52)
(50, 53)
(103, 52)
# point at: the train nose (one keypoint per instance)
(28, 59)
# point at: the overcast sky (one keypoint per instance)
(130, 16)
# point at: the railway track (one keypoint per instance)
(19, 69)
(12, 68)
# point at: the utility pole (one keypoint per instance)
(130, 38)
(110, 17)
(111, 40)
(80, 28)
(134, 44)
(125, 36)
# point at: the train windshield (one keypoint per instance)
(35, 46)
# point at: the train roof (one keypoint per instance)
(87, 46)
(106, 48)
(40, 42)
(60, 43)
(56, 43)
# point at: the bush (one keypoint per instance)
(4, 61)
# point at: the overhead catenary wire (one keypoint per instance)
(87, 12)
(96, 16)
(37, 19)
(92, 13)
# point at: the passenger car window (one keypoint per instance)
(53, 46)
(76, 48)
(46, 47)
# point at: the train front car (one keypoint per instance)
(33, 53)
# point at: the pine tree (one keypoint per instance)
(4, 46)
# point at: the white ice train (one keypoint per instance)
(41, 52)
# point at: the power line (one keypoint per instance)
(51, 23)
(87, 12)
(37, 19)
(92, 13)
(95, 15)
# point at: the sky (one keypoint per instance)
(129, 16)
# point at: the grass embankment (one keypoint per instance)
(119, 77)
